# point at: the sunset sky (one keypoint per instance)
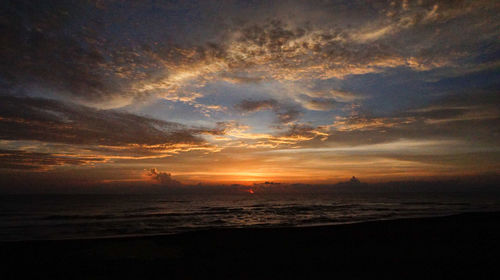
(223, 92)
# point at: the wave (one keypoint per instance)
(436, 203)
(264, 212)
(77, 217)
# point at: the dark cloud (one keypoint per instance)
(288, 115)
(58, 47)
(162, 178)
(322, 104)
(23, 160)
(53, 121)
(471, 118)
(421, 35)
(242, 79)
(271, 36)
(475, 105)
(301, 131)
(38, 51)
(442, 113)
(71, 49)
(286, 48)
(256, 105)
(477, 124)
(221, 128)
(284, 114)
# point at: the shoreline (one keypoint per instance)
(442, 246)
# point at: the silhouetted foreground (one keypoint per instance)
(444, 247)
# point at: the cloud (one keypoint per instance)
(318, 96)
(304, 132)
(241, 79)
(256, 105)
(162, 178)
(39, 52)
(286, 51)
(106, 131)
(284, 114)
(71, 40)
(471, 106)
(288, 115)
(240, 136)
(434, 115)
(54, 121)
(471, 117)
(23, 160)
(321, 104)
(362, 123)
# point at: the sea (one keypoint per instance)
(54, 217)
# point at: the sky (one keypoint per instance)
(242, 92)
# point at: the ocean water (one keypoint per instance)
(35, 217)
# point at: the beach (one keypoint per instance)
(438, 247)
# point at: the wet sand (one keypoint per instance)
(464, 245)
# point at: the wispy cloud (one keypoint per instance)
(108, 132)
(284, 114)
(32, 161)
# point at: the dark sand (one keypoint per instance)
(444, 247)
